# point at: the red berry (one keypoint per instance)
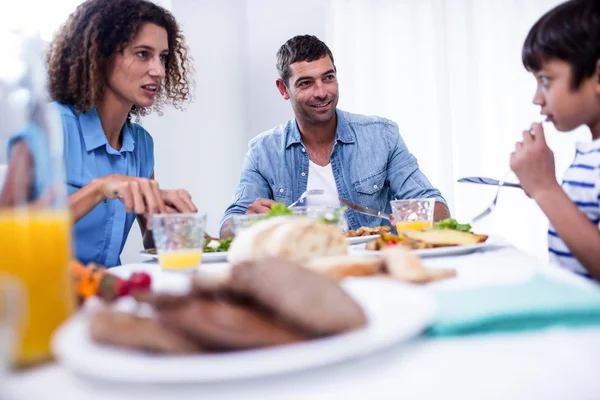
(391, 243)
(121, 288)
(140, 281)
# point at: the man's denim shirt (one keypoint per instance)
(370, 163)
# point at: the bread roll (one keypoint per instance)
(339, 267)
(293, 238)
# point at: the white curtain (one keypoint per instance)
(449, 73)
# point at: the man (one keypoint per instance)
(359, 158)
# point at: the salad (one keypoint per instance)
(212, 245)
(451, 223)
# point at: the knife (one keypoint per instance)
(487, 181)
(365, 210)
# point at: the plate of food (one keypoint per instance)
(215, 250)
(447, 238)
(237, 325)
(366, 234)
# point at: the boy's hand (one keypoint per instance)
(533, 162)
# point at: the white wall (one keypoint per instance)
(270, 24)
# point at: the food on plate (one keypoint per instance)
(445, 237)
(407, 267)
(259, 303)
(278, 209)
(298, 296)
(339, 267)
(387, 240)
(333, 217)
(130, 331)
(290, 237)
(394, 262)
(226, 325)
(416, 240)
(95, 280)
(451, 223)
(216, 245)
(368, 231)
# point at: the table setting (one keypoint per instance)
(484, 321)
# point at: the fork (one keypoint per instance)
(306, 194)
(488, 210)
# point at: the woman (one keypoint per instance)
(111, 61)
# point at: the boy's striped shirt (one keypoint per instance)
(581, 182)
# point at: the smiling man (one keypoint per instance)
(356, 157)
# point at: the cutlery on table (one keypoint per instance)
(365, 210)
(307, 193)
(487, 181)
(489, 209)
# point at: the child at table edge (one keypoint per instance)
(562, 50)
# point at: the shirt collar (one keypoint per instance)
(94, 137)
(342, 132)
(588, 146)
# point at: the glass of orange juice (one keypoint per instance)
(11, 299)
(179, 239)
(413, 214)
(35, 225)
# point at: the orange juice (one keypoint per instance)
(179, 259)
(35, 248)
(413, 225)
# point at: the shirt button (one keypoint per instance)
(374, 186)
(303, 174)
(280, 190)
(303, 150)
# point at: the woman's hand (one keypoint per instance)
(139, 195)
(533, 162)
(178, 201)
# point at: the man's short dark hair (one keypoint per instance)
(569, 32)
(300, 48)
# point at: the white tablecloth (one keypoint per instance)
(556, 363)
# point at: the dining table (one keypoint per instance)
(554, 362)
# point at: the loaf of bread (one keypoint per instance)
(292, 238)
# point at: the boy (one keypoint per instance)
(562, 50)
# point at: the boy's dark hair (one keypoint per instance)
(300, 48)
(569, 32)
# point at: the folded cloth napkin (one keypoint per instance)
(539, 303)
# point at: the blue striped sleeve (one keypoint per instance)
(587, 203)
(560, 253)
(588, 152)
(583, 166)
(589, 185)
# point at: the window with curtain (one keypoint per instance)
(449, 72)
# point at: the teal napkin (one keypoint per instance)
(539, 303)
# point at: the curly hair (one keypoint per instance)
(79, 56)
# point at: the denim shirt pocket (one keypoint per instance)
(369, 193)
(370, 185)
(280, 193)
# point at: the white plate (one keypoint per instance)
(440, 251)
(396, 313)
(361, 239)
(206, 257)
